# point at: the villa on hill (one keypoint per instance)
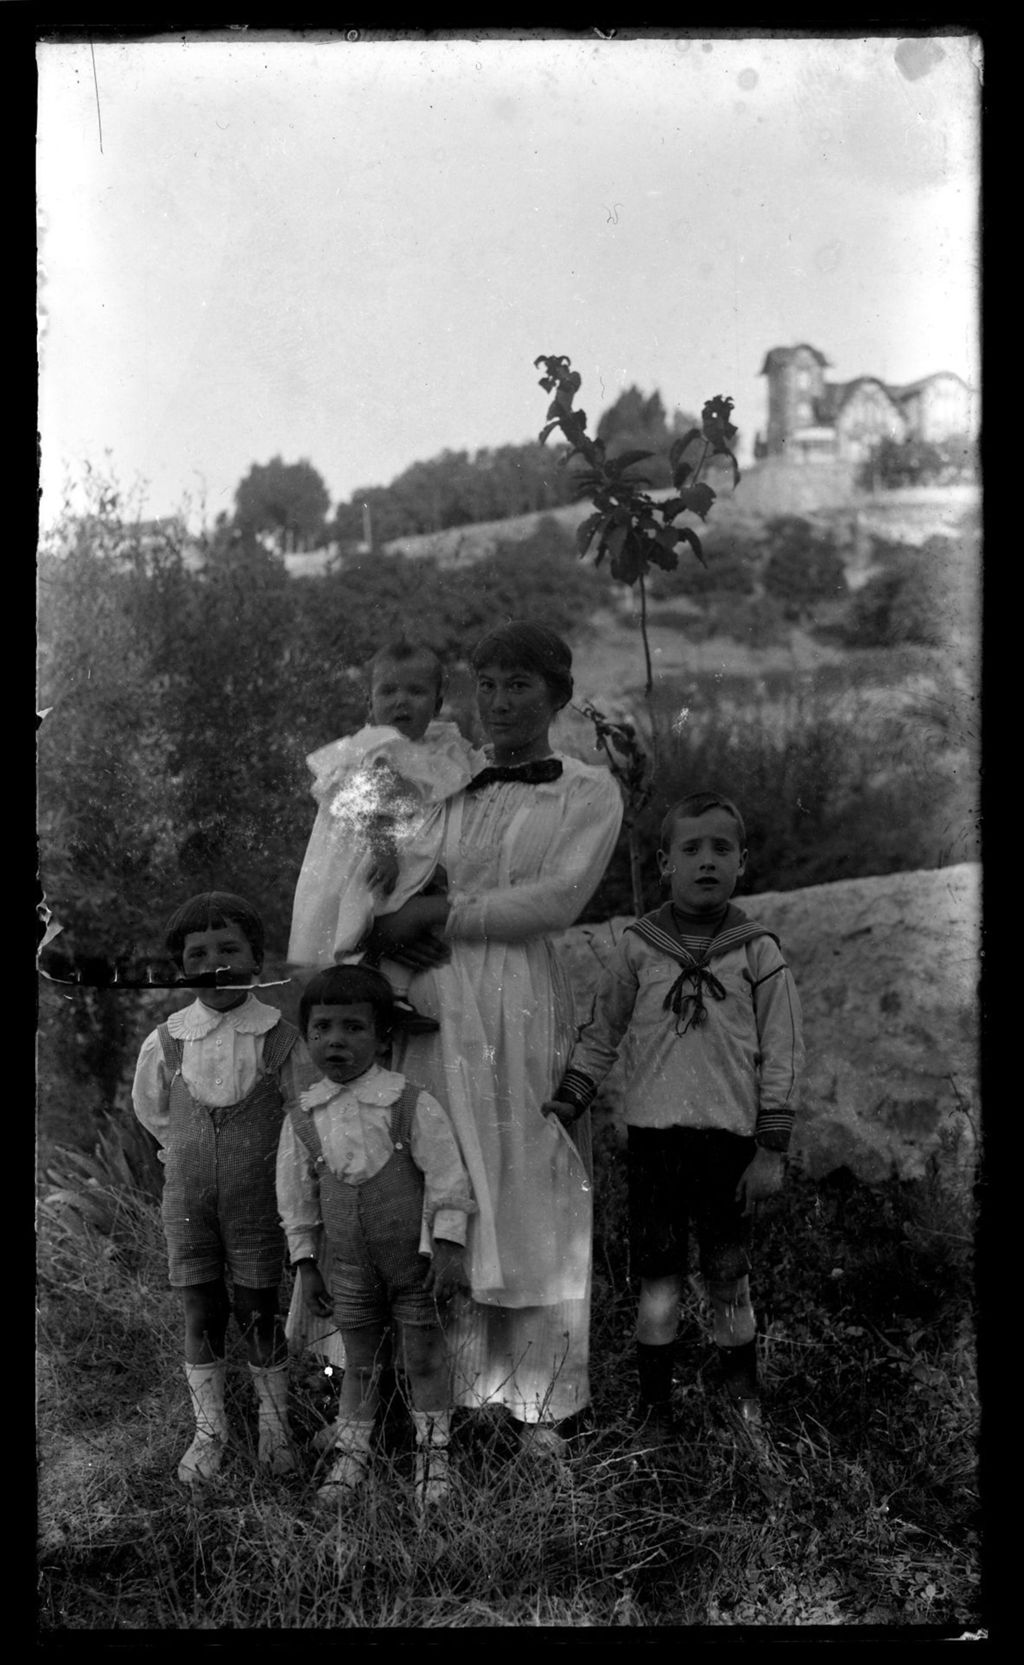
(811, 420)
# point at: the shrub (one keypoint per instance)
(917, 599)
(803, 565)
(830, 793)
(731, 571)
(758, 622)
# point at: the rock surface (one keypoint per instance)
(887, 970)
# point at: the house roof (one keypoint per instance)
(782, 355)
(910, 388)
(838, 394)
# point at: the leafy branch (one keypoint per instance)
(635, 531)
(630, 764)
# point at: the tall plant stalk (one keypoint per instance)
(635, 532)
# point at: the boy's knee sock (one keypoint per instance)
(271, 1384)
(206, 1392)
(654, 1370)
(352, 1446)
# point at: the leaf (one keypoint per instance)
(715, 419)
(585, 532)
(665, 558)
(542, 436)
(723, 451)
(614, 536)
(681, 474)
(627, 459)
(631, 560)
(689, 536)
(698, 499)
(678, 446)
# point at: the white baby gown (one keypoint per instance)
(355, 781)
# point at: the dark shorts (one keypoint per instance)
(363, 1295)
(204, 1244)
(683, 1179)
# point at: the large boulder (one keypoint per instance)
(887, 970)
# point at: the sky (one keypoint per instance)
(351, 252)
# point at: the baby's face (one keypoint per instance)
(405, 694)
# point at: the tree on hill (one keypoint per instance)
(638, 423)
(287, 500)
(455, 489)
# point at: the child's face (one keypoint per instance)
(343, 1040)
(703, 861)
(405, 694)
(221, 947)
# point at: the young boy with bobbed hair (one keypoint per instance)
(210, 1086)
(705, 1005)
(374, 1199)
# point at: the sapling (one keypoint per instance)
(635, 531)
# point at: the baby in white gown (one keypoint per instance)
(377, 836)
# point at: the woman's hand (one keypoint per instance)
(412, 934)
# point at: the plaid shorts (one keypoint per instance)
(683, 1178)
(363, 1294)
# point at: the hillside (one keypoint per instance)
(910, 515)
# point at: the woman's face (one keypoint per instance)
(516, 708)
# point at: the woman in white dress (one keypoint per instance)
(525, 846)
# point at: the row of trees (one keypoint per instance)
(288, 503)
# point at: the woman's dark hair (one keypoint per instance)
(528, 647)
(350, 985)
(213, 910)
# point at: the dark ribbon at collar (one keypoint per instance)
(531, 774)
(689, 1008)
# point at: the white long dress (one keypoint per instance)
(522, 861)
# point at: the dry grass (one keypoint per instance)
(861, 1509)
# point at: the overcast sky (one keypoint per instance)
(352, 252)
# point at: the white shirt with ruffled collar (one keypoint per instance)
(220, 1060)
(353, 1121)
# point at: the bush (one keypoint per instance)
(833, 787)
(803, 565)
(918, 599)
(919, 462)
(731, 571)
(757, 622)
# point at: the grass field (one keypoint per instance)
(860, 1507)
